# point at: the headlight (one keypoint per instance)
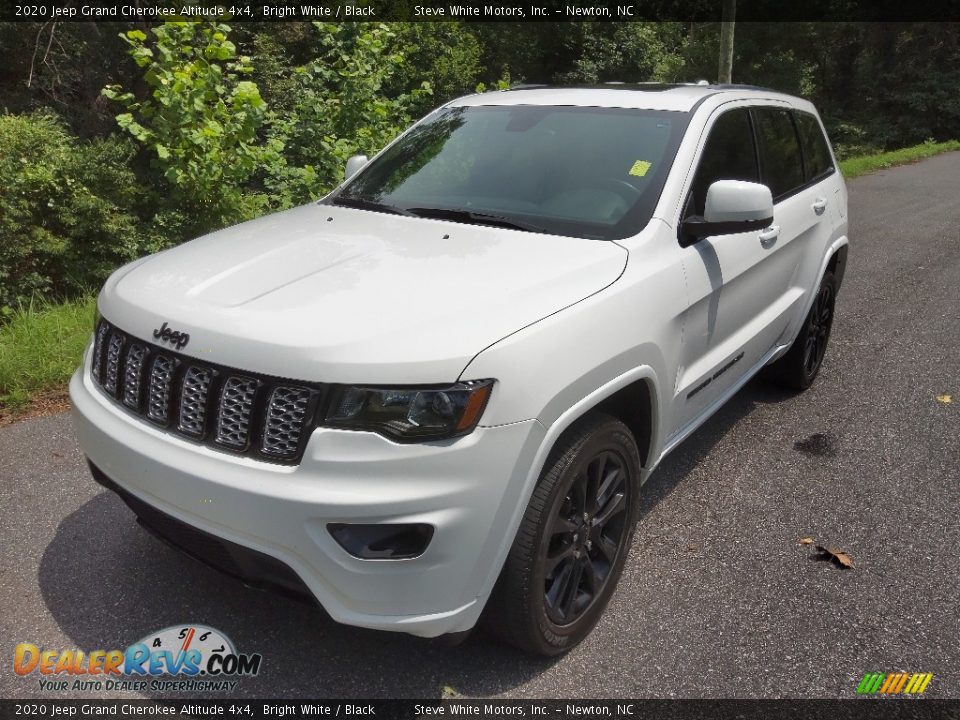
(410, 414)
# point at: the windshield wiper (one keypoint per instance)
(475, 218)
(362, 204)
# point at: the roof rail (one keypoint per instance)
(642, 85)
(738, 86)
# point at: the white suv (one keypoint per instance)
(440, 389)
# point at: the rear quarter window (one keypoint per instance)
(816, 153)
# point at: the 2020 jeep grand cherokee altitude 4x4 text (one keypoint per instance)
(441, 388)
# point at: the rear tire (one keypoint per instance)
(800, 366)
(573, 540)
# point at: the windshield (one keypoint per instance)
(579, 171)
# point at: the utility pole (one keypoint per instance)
(726, 40)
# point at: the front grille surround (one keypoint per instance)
(231, 410)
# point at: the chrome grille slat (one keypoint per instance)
(161, 382)
(101, 336)
(193, 400)
(286, 412)
(236, 407)
(112, 373)
(133, 375)
(227, 409)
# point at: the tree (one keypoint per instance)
(341, 108)
(726, 41)
(200, 119)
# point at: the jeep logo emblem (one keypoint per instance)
(178, 339)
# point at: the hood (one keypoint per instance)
(335, 294)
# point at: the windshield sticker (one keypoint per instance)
(640, 168)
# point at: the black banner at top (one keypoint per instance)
(476, 10)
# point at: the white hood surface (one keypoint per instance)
(334, 294)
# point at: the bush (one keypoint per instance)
(66, 210)
(199, 121)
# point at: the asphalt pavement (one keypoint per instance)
(718, 598)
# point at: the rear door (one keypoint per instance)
(823, 213)
(802, 209)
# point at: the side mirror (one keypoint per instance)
(354, 163)
(732, 206)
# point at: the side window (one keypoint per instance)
(781, 165)
(816, 152)
(729, 154)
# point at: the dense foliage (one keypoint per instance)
(69, 211)
(200, 118)
(116, 140)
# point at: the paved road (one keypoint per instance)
(718, 598)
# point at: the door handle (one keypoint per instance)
(819, 205)
(769, 236)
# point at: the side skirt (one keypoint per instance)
(684, 432)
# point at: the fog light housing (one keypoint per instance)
(382, 541)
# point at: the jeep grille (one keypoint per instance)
(224, 408)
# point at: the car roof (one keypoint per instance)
(644, 96)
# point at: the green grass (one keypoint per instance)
(857, 166)
(40, 347)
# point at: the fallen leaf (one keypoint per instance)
(945, 399)
(837, 556)
(806, 541)
(691, 547)
(448, 693)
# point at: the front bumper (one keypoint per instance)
(467, 489)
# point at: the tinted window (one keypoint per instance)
(781, 166)
(581, 171)
(816, 152)
(728, 155)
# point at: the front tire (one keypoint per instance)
(573, 540)
(799, 367)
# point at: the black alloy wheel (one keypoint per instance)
(799, 367)
(818, 330)
(585, 537)
(573, 540)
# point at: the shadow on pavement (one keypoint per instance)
(691, 452)
(108, 583)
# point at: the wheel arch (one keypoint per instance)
(833, 260)
(632, 398)
(837, 264)
(633, 406)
